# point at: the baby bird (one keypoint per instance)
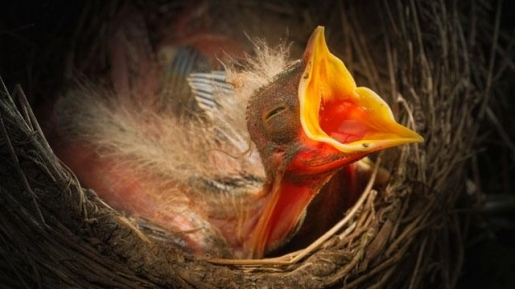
(227, 161)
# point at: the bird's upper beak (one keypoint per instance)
(333, 110)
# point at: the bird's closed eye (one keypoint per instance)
(280, 123)
(274, 112)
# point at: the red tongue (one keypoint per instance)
(341, 121)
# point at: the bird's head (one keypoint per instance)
(309, 122)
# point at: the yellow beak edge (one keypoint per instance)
(335, 111)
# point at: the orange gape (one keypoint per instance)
(309, 125)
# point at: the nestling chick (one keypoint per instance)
(228, 161)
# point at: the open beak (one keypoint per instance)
(339, 124)
(333, 110)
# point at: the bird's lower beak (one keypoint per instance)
(333, 110)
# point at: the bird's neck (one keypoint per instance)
(284, 210)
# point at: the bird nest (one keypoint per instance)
(429, 59)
